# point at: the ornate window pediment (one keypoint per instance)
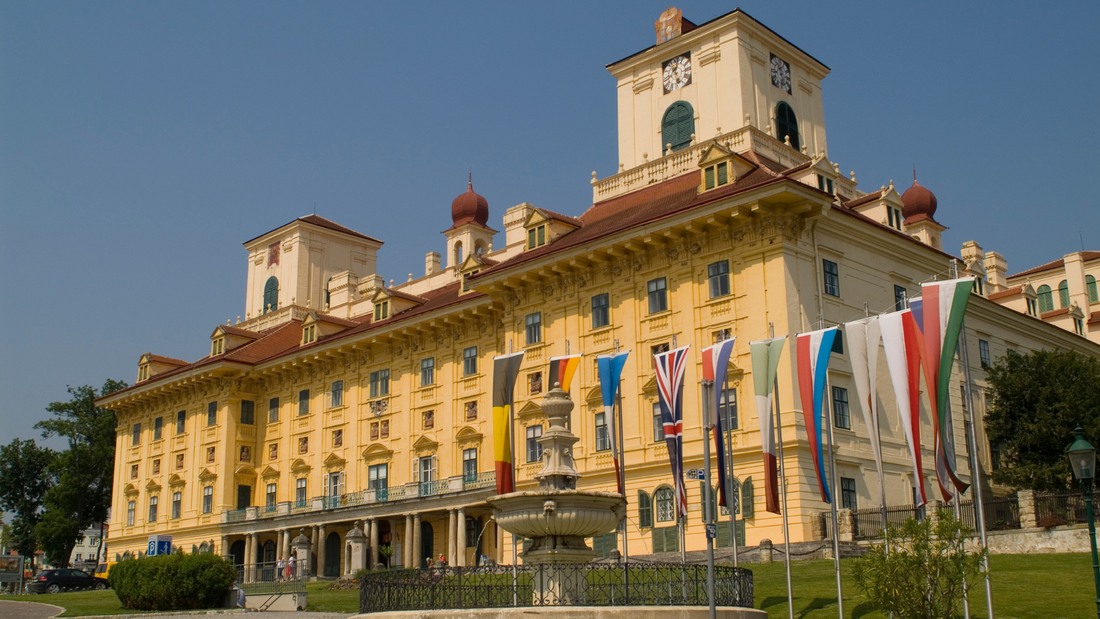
(175, 480)
(206, 476)
(425, 444)
(245, 470)
(152, 486)
(530, 410)
(468, 435)
(334, 461)
(130, 489)
(376, 452)
(650, 386)
(269, 472)
(300, 466)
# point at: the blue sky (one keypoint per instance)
(142, 143)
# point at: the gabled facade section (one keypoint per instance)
(883, 206)
(226, 337)
(150, 365)
(388, 302)
(719, 167)
(543, 226)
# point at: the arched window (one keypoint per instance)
(677, 125)
(271, 295)
(1090, 285)
(1046, 300)
(1063, 293)
(458, 253)
(786, 125)
(328, 293)
(665, 501)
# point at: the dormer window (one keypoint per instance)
(1032, 307)
(894, 216)
(466, 280)
(716, 175)
(217, 347)
(143, 373)
(309, 334)
(825, 184)
(382, 310)
(536, 237)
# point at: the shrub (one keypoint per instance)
(1051, 520)
(925, 572)
(173, 582)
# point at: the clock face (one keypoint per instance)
(781, 74)
(677, 73)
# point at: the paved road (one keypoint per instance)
(28, 610)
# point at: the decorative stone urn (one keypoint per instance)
(557, 517)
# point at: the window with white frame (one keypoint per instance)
(469, 464)
(603, 436)
(534, 448)
(207, 499)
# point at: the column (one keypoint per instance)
(406, 556)
(286, 544)
(460, 544)
(366, 551)
(418, 542)
(320, 543)
(278, 545)
(449, 543)
(225, 545)
(373, 545)
(313, 552)
(246, 570)
(255, 556)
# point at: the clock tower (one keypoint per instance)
(699, 82)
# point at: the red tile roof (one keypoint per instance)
(404, 295)
(317, 220)
(1054, 313)
(169, 360)
(338, 321)
(232, 330)
(1004, 294)
(572, 221)
(867, 199)
(1086, 256)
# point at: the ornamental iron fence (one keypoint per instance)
(588, 584)
(1054, 509)
(269, 577)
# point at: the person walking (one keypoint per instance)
(279, 567)
(291, 568)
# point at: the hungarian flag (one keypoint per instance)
(562, 370)
(940, 312)
(765, 363)
(671, 366)
(901, 340)
(505, 372)
(716, 360)
(814, 349)
(863, 340)
(611, 369)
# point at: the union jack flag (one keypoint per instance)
(670, 390)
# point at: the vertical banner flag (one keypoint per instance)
(670, 390)
(765, 364)
(562, 370)
(901, 340)
(611, 369)
(863, 340)
(505, 372)
(813, 350)
(716, 361)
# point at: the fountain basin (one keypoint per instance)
(569, 513)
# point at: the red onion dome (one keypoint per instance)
(470, 207)
(918, 203)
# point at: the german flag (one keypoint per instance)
(505, 372)
(562, 370)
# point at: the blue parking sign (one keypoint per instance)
(152, 549)
(712, 531)
(159, 545)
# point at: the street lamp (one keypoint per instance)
(1082, 457)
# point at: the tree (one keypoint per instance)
(1037, 400)
(925, 572)
(25, 477)
(85, 471)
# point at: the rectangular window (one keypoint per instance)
(382, 310)
(533, 328)
(303, 402)
(534, 383)
(270, 498)
(337, 394)
(273, 410)
(158, 428)
(378, 476)
(131, 507)
(211, 414)
(601, 311)
(427, 469)
(181, 421)
(654, 351)
(708, 178)
(469, 361)
(848, 497)
(542, 235)
(531, 239)
(900, 298)
(983, 352)
(719, 275)
(177, 504)
(841, 418)
(1078, 326)
(135, 437)
(427, 371)
(534, 448)
(1032, 308)
(723, 173)
(469, 464)
(379, 383)
(248, 412)
(336, 484)
(658, 424)
(207, 499)
(832, 278)
(727, 409)
(153, 500)
(657, 289)
(300, 491)
(603, 437)
(721, 335)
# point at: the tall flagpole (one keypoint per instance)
(975, 472)
(512, 447)
(730, 499)
(832, 481)
(709, 505)
(622, 460)
(783, 490)
(681, 519)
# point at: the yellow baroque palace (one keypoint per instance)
(342, 399)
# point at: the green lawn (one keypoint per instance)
(1024, 587)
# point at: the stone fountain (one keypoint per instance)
(557, 517)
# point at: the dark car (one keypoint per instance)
(54, 581)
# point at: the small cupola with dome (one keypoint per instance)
(469, 232)
(918, 210)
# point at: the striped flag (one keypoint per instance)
(671, 366)
(901, 340)
(863, 341)
(716, 361)
(765, 364)
(562, 370)
(505, 372)
(611, 369)
(814, 349)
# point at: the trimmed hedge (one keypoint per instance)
(173, 582)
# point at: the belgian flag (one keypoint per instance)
(505, 372)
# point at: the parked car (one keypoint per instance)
(55, 581)
(104, 569)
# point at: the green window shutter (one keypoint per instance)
(658, 540)
(531, 238)
(710, 177)
(724, 538)
(723, 173)
(741, 533)
(1046, 299)
(747, 508)
(677, 125)
(672, 539)
(1063, 293)
(1090, 285)
(645, 510)
(271, 295)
